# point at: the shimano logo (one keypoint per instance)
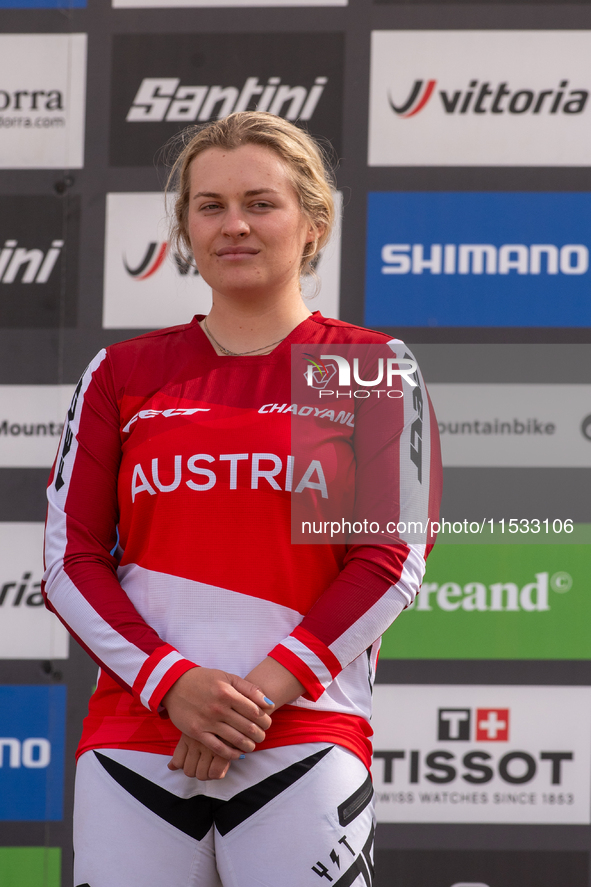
(31, 753)
(165, 98)
(482, 97)
(484, 258)
(20, 265)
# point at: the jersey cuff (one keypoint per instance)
(309, 660)
(157, 675)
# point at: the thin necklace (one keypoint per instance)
(236, 353)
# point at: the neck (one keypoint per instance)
(243, 326)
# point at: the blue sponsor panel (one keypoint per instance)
(32, 738)
(42, 4)
(478, 259)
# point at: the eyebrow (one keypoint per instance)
(252, 193)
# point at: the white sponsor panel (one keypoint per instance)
(123, 4)
(477, 98)
(27, 629)
(31, 421)
(502, 754)
(513, 425)
(42, 100)
(147, 288)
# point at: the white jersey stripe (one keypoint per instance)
(156, 676)
(310, 659)
(56, 538)
(385, 610)
(124, 658)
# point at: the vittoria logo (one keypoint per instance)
(22, 592)
(480, 98)
(417, 99)
(153, 259)
(163, 82)
(27, 629)
(484, 97)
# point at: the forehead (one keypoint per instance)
(249, 167)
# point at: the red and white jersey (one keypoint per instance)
(168, 540)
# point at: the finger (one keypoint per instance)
(246, 727)
(237, 739)
(230, 751)
(248, 700)
(218, 768)
(205, 760)
(192, 759)
(179, 755)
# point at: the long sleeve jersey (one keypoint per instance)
(170, 538)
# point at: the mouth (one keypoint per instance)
(236, 251)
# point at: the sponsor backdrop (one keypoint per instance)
(461, 137)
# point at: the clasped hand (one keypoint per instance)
(220, 716)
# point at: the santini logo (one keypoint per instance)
(27, 265)
(479, 258)
(153, 259)
(163, 98)
(484, 98)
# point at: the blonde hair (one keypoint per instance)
(305, 161)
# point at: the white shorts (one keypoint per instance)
(296, 816)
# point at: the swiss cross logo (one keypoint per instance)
(492, 724)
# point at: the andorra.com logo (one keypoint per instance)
(484, 97)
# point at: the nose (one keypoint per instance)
(235, 225)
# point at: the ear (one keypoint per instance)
(315, 232)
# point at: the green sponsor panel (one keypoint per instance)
(30, 866)
(498, 602)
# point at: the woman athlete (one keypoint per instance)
(228, 742)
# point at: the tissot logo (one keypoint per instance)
(36, 259)
(480, 98)
(491, 724)
(491, 754)
(163, 82)
(484, 97)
